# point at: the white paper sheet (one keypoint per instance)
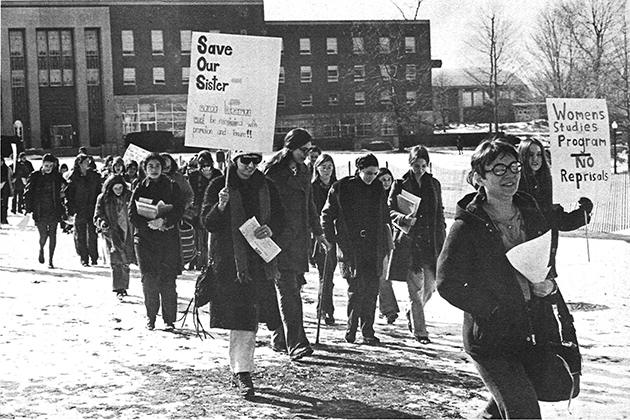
(266, 248)
(531, 258)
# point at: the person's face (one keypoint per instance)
(118, 168)
(313, 157)
(117, 189)
(246, 166)
(534, 158)
(47, 167)
(85, 165)
(419, 167)
(299, 154)
(153, 169)
(325, 170)
(132, 170)
(205, 169)
(386, 180)
(167, 166)
(501, 186)
(368, 175)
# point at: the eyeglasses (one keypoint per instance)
(246, 160)
(500, 169)
(202, 167)
(305, 149)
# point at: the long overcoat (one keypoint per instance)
(34, 196)
(241, 305)
(120, 246)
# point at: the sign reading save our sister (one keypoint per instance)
(579, 138)
(232, 92)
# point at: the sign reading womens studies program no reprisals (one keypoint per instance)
(580, 149)
(233, 91)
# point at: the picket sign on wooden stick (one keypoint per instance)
(588, 249)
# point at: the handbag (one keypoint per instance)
(205, 288)
(558, 364)
(187, 237)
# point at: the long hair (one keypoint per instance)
(539, 184)
(484, 154)
(112, 180)
(323, 158)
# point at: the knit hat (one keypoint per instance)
(205, 158)
(236, 155)
(366, 161)
(297, 138)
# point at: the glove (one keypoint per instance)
(585, 205)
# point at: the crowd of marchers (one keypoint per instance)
(358, 224)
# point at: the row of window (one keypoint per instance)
(185, 36)
(386, 127)
(385, 98)
(387, 72)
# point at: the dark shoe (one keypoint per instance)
(169, 327)
(371, 341)
(50, 265)
(243, 381)
(119, 295)
(391, 318)
(151, 325)
(278, 349)
(329, 319)
(85, 263)
(301, 353)
(94, 262)
(41, 256)
(124, 292)
(351, 336)
(422, 340)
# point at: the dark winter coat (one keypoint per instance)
(45, 204)
(23, 170)
(199, 184)
(81, 195)
(474, 274)
(241, 305)
(429, 232)
(121, 249)
(349, 223)
(158, 251)
(302, 218)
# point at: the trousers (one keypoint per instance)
(85, 241)
(120, 276)
(326, 271)
(160, 288)
(362, 296)
(291, 335)
(421, 286)
(513, 395)
(241, 350)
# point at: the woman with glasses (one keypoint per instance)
(474, 274)
(415, 261)
(245, 293)
(199, 180)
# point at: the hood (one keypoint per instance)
(469, 207)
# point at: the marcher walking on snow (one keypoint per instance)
(387, 303)
(6, 191)
(245, 292)
(23, 168)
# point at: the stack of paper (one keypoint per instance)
(531, 258)
(152, 211)
(266, 248)
(408, 204)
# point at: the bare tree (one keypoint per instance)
(414, 6)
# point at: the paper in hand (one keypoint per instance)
(266, 248)
(531, 258)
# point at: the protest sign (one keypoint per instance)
(136, 153)
(233, 91)
(580, 149)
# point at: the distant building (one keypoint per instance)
(86, 73)
(463, 96)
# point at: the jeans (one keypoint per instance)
(326, 286)
(156, 287)
(291, 335)
(241, 350)
(513, 395)
(86, 242)
(47, 230)
(421, 286)
(387, 303)
(362, 296)
(120, 276)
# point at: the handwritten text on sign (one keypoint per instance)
(232, 92)
(580, 148)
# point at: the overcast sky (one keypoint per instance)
(451, 20)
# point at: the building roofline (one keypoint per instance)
(105, 3)
(344, 22)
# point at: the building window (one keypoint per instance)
(129, 76)
(157, 43)
(127, 43)
(331, 46)
(357, 45)
(333, 73)
(16, 47)
(472, 98)
(386, 97)
(359, 98)
(185, 41)
(387, 71)
(93, 57)
(330, 131)
(162, 116)
(282, 101)
(306, 76)
(158, 76)
(281, 77)
(410, 72)
(55, 58)
(307, 100)
(333, 99)
(305, 46)
(284, 127)
(410, 44)
(384, 45)
(359, 73)
(388, 128)
(364, 130)
(411, 97)
(185, 75)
